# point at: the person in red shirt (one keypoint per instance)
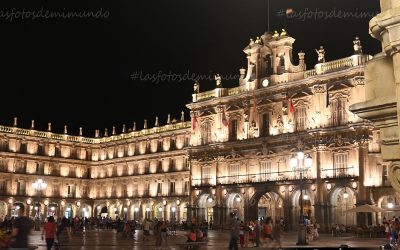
(49, 231)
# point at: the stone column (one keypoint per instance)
(382, 105)
(287, 212)
(320, 202)
(363, 218)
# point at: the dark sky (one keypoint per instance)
(77, 71)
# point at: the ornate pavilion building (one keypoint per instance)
(238, 153)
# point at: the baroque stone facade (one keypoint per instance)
(134, 175)
(233, 156)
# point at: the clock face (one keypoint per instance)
(265, 83)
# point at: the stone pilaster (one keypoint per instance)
(320, 207)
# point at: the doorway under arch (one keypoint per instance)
(206, 204)
(342, 199)
(235, 204)
(308, 208)
(270, 205)
(391, 203)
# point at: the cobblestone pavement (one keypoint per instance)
(109, 239)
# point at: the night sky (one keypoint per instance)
(77, 71)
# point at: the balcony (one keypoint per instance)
(338, 172)
(249, 178)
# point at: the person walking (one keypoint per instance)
(277, 234)
(257, 230)
(49, 232)
(63, 234)
(235, 228)
(146, 230)
(163, 230)
(22, 226)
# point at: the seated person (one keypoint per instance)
(192, 237)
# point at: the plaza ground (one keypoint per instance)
(109, 239)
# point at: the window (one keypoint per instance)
(265, 125)
(206, 175)
(159, 166)
(20, 188)
(159, 188)
(265, 170)
(3, 187)
(172, 187)
(56, 190)
(186, 187)
(134, 189)
(147, 189)
(39, 168)
(385, 179)
(71, 191)
(340, 164)
(301, 118)
(233, 130)
(234, 171)
(206, 133)
(23, 148)
(40, 149)
(57, 152)
(338, 112)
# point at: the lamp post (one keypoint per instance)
(346, 196)
(125, 213)
(147, 213)
(301, 163)
(38, 185)
(137, 213)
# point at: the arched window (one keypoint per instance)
(301, 118)
(338, 112)
(265, 124)
(233, 128)
(206, 133)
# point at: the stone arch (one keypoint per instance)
(252, 205)
(205, 204)
(84, 210)
(308, 202)
(270, 205)
(235, 204)
(339, 205)
(69, 210)
(115, 210)
(3, 209)
(394, 208)
(394, 176)
(15, 207)
(158, 211)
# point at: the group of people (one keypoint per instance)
(392, 229)
(255, 233)
(15, 231)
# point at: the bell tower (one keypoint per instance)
(269, 61)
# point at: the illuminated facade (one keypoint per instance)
(233, 156)
(135, 174)
(243, 140)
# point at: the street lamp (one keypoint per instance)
(237, 198)
(148, 212)
(346, 196)
(136, 213)
(301, 163)
(38, 185)
(125, 214)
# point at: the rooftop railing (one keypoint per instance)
(88, 140)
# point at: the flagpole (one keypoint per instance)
(268, 15)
